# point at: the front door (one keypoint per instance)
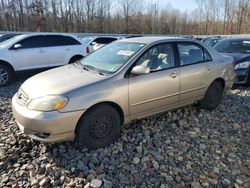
(31, 55)
(158, 90)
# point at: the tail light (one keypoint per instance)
(87, 50)
(234, 63)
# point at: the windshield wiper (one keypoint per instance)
(89, 67)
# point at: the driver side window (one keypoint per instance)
(158, 57)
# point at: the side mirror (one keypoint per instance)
(93, 43)
(140, 70)
(17, 46)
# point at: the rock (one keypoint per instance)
(155, 164)
(107, 184)
(167, 178)
(34, 182)
(71, 184)
(87, 185)
(95, 183)
(203, 146)
(136, 160)
(139, 149)
(44, 181)
(195, 185)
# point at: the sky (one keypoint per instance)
(183, 5)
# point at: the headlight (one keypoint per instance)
(242, 65)
(48, 103)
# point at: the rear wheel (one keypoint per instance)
(99, 127)
(5, 75)
(212, 96)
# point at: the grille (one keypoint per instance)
(22, 97)
(241, 78)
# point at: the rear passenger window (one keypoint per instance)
(192, 54)
(58, 40)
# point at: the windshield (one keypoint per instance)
(211, 42)
(233, 46)
(11, 41)
(112, 56)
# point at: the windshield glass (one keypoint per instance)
(211, 42)
(236, 46)
(11, 41)
(112, 56)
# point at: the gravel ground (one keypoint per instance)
(183, 148)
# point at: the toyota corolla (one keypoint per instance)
(126, 80)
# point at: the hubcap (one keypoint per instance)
(101, 128)
(3, 76)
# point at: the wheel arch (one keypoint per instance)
(7, 65)
(76, 56)
(220, 80)
(116, 106)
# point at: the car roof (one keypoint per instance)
(148, 40)
(36, 34)
(236, 39)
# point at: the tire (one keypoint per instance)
(212, 97)
(75, 59)
(99, 127)
(6, 75)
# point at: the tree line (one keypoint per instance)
(125, 16)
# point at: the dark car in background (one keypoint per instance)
(4, 37)
(239, 49)
(211, 41)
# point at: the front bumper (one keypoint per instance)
(59, 126)
(242, 76)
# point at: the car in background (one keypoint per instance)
(239, 49)
(93, 43)
(4, 37)
(27, 53)
(211, 41)
(123, 81)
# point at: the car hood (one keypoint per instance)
(238, 57)
(59, 81)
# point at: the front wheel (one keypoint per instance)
(5, 75)
(212, 96)
(99, 127)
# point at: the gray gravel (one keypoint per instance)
(183, 148)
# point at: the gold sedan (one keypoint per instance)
(126, 80)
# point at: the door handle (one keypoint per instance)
(174, 74)
(41, 51)
(208, 67)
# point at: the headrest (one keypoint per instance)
(195, 52)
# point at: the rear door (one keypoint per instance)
(195, 71)
(32, 54)
(159, 90)
(61, 49)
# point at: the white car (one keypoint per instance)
(93, 43)
(35, 52)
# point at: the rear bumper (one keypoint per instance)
(242, 76)
(59, 126)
